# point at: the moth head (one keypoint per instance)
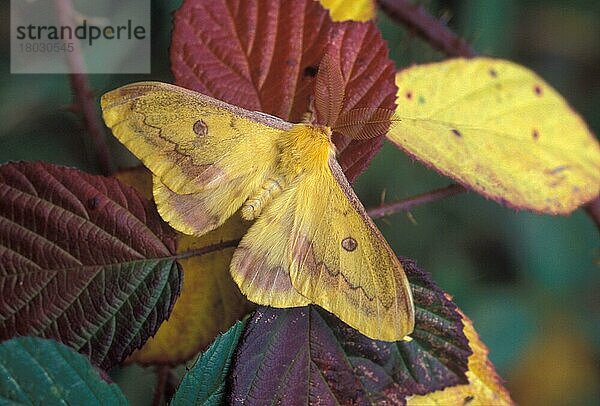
(310, 136)
(309, 144)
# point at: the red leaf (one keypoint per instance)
(83, 259)
(263, 55)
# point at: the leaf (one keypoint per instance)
(210, 301)
(356, 10)
(308, 356)
(499, 129)
(43, 372)
(83, 259)
(204, 384)
(264, 55)
(484, 387)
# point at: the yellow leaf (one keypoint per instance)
(355, 10)
(499, 129)
(484, 387)
(210, 301)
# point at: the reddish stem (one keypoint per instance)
(84, 97)
(432, 30)
(163, 373)
(407, 204)
(208, 249)
(593, 210)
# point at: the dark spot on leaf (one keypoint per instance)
(493, 73)
(349, 244)
(535, 134)
(409, 95)
(421, 100)
(456, 132)
(93, 203)
(200, 128)
(311, 71)
(538, 90)
(291, 62)
(468, 399)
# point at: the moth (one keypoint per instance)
(311, 240)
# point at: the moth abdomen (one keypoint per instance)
(252, 207)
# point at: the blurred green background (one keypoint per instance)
(530, 283)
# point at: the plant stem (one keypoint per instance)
(84, 97)
(208, 249)
(165, 385)
(432, 30)
(593, 210)
(408, 203)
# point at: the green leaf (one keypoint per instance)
(204, 384)
(84, 260)
(36, 371)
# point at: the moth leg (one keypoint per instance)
(272, 188)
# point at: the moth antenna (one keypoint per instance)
(364, 122)
(329, 90)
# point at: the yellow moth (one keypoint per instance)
(311, 240)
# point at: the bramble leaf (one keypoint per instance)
(83, 259)
(484, 387)
(43, 372)
(499, 129)
(204, 384)
(264, 55)
(307, 355)
(210, 301)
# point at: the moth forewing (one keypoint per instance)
(341, 262)
(207, 156)
(404, 305)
